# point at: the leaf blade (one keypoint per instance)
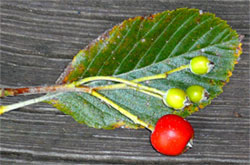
(141, 47)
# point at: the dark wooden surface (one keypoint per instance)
(38, 40)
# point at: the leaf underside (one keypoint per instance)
(144, 46)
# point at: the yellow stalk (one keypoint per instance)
(137, 86)
(148, 78)
(132, 117)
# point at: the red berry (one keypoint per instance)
(172, 135)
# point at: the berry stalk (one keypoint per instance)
(58, 90)
(8, 108)
(137, 86)
(147, 78)
(123, 111)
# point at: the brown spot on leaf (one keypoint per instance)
(198, 20)
(201, 106)
(212, 82)
(196, 109)
(105, 35)
(81, 68)
(189, 108)
(64, 77)
(150, 17)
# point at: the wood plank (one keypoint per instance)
(39, 39)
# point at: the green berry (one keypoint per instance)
(176, 98)
(197, 93)
(200, 65)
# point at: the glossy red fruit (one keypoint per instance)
(172, 135)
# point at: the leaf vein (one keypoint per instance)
(219, 36)
(96, 56)
(135, 45)
(117, 47)
(198, 40)
(170, 23)
(187, 35)
(172, 36)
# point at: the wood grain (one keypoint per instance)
(39, 39)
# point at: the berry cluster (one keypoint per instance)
(177, 98)
(173, 135)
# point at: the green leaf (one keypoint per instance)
(144, 46)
